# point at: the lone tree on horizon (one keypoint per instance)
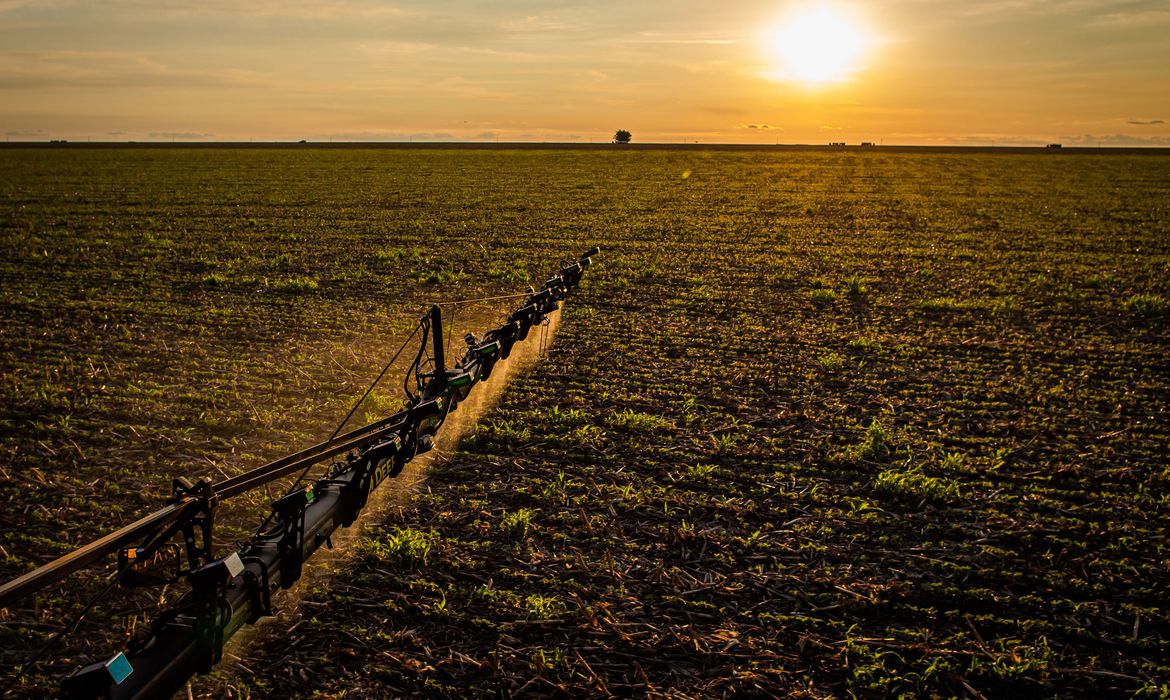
(622, 136)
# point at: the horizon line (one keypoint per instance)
(865, 145)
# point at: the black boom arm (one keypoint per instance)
(229, 592)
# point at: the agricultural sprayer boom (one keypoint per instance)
(231, 591)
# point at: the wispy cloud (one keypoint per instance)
(1115, 140)
(725, 110)
(1135, 17)
(180, 135)
(111, 69)
(395, 48)
(1104, 14)
(535, 24)
(14, 5)
(293, 9)
(1149, 122)
(390, 135)
(686, 40)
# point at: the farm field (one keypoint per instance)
(817, 423)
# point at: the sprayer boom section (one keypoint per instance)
(227, 592)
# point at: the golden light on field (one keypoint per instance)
(817, 45)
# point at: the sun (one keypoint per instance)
(816, 46)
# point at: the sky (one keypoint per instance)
(932, 72)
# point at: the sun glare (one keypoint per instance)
(815, 46)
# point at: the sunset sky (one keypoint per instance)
(740, 71)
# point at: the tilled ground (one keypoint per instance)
(735, 476)
(816, 424)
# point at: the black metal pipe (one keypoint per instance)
(82, 557)
(162, 667)
(235, 590)
(437, 340)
